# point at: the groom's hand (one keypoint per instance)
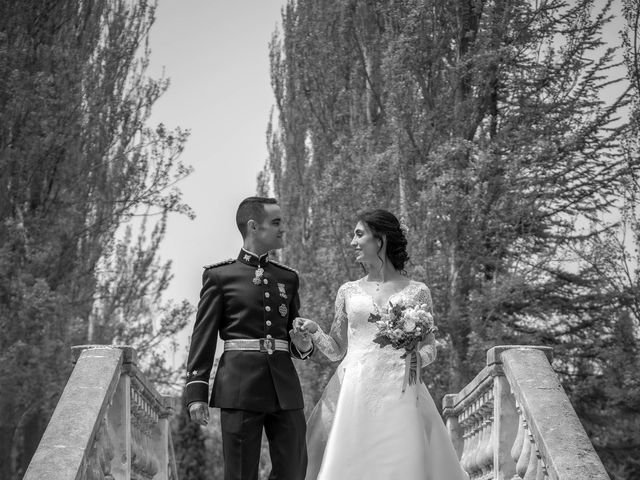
(199, 412)
(301, 340)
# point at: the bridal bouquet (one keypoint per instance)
(404, 327)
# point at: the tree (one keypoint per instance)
(481, 123)
(77, 160)
(129, 308)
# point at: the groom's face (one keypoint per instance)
(269, 233)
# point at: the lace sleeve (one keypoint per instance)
(334, 344)
(428, 349)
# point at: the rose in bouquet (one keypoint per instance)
(404, 328)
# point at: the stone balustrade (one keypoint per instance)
(514, 421)
(110, 423)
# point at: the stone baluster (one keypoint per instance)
(518, 444)
(144, 419)
(484, 457)
(526, 454)
(470, 424)
(532, 465)
(463, 423)
(98, 465)
(482, 438)
(476, 423)
(473, 441)
(469, 464)
(525, 451)
(542, 469)
(484, 451)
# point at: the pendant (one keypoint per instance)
(257, 279)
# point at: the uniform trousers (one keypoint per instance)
(242, 438)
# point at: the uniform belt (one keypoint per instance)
(265, 345)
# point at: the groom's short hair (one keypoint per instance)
(251, 208)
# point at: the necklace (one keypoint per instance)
(377, 284)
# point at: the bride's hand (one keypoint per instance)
(305, 325)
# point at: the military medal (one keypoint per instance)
(257, 279)
(283, 310)
(283, 293)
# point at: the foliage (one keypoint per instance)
(77, 160)
(128, 304)
(484, 125)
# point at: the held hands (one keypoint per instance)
(300, 333)
(305, 325)
(199, 412)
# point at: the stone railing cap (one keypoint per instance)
(494, 354)
(128, 353)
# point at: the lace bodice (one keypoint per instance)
(352, 334)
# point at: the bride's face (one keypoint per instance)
(366, 245)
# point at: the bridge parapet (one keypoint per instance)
(109, 423)
(514, 421)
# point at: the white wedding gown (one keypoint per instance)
(364, 426)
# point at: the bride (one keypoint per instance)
(364, 426)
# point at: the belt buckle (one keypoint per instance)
(267, 345)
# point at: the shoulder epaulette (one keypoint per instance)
(224, 262)
(286, 267)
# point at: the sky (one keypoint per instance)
(216, 55)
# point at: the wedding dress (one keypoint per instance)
(364, 426)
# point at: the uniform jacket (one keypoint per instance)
(237, 301)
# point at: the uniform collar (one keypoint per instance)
(250, 258)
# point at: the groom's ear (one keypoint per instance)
(252, 225)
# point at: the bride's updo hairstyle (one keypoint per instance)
(385, 224)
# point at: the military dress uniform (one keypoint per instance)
(251, 303)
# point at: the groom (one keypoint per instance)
(251, 302)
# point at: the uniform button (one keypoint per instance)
(265, 281)
(267, 308)
(266, 294)
(268, 336)
(268, 322)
